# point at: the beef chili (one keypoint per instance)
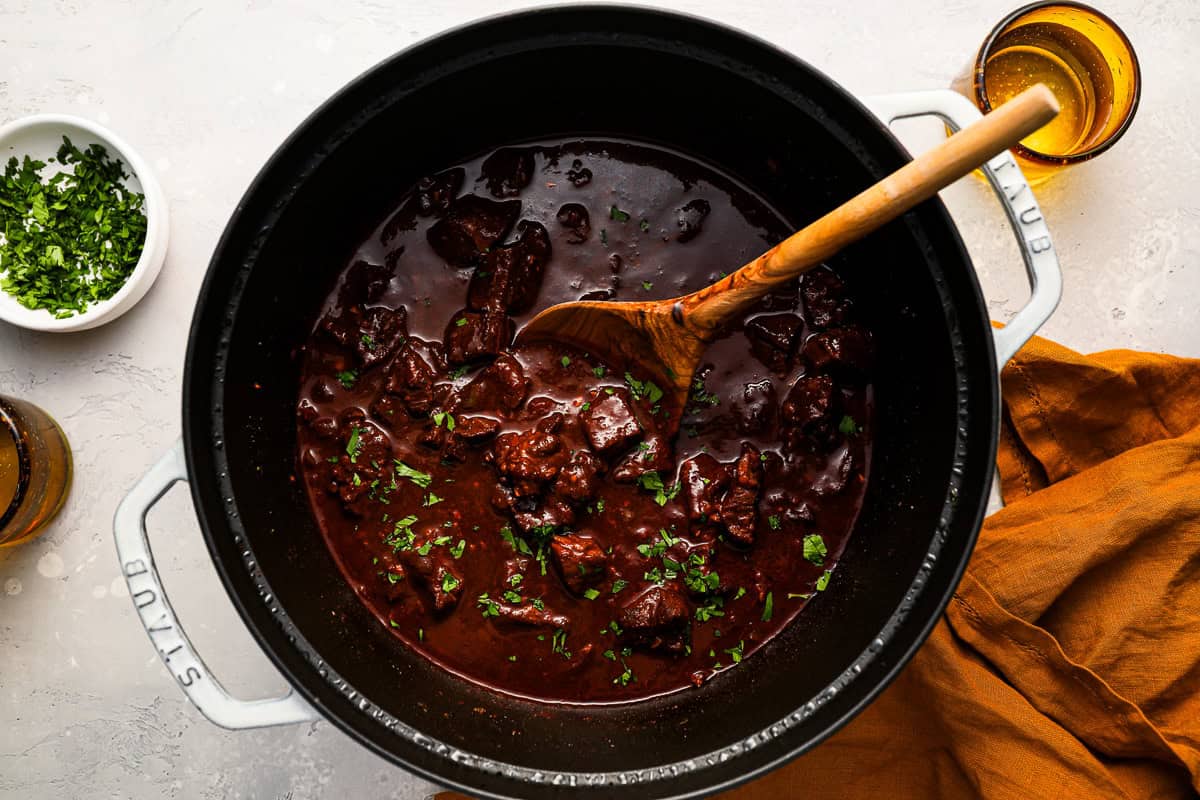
(521, 516)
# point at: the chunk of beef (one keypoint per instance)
(578, 174)
(508, 170)
(838, 472)
(810, 403)
(373, 334)
(756, 412)
(691, 219)
(658, 619)
(739, 506)
(410, 378)
(435, 193)
(325, 427)
(704, 482)
(577, 480)
(527, 614)
(469, 432)
(502, 384)
(381, 331)
(772, 337)
(472, 335)
(510, 276)
(580, 560)
(306, 410)
(471, 225)
(433, 572)
(848, 351)
(609, 421)
(824, 297)
(366, 455)
(574, 217)
(529, 459)
(531, 513)
(363, 283)
(653, 454)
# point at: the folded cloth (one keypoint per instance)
(1068, 662)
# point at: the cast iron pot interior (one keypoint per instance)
(769, 120)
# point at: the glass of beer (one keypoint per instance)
(35, 470)
(1081, 56)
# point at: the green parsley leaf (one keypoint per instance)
(354, 444)
(422, 479)
(775, 522)
(458, 549)
(431, 499)
(450, 583)
(647, 286)
(814, 549)
(617, 214)
(848, 426)
(599, 371)
(652, 481)
(490, 608)
(736, 652)
(644, 225)
(460, 322)
(591, 594)
(823, 581)
(769, 607)
(618, 585)
(347, 378)
(565, 361)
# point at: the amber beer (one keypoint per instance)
(35, 470)
(1083, 57)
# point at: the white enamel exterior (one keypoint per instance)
(39, 137)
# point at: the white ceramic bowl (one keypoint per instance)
(39, 137)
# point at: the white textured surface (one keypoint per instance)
(206, 92)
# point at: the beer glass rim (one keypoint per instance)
(985, 105)
(9, 427)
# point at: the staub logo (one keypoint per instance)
(159, 623)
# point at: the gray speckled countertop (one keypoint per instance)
(206, 92)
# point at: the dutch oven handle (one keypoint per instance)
(158, 618)
(1041, 262)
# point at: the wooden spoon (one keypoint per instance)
(664, 339)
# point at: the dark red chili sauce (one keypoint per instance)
(519, 517)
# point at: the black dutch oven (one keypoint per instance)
(771, 120)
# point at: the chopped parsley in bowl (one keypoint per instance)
(82, 224)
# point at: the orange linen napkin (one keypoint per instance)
(1068, 662)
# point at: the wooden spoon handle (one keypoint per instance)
(705, 311)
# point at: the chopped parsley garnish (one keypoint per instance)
(558, 643)
(346, 378)
(354, 444)
(647, 286)
(823, 581)
(625, 677)
(457, 550)
(769, 607)
(460, 322)
(600, 506)
(646, 389)
(512, 658)
(644, 225)
(422, 479)
(72, 240)
(517, 543)
(618, 215)
(736, 652)
(848, 426)
(394, 578)
(565, 361)
(599, 371)
(458, 373)
(652, 481)
(618, 585)
(814, 549)
(431, 499)
(798, 596)
(741, 592)
(591, 594)
(774, 522)
(441, 417)
(402, 535)
(450, 583)
(585, 406)
(367, 341)
(610, 655)
(490, 608)
(710, 609)
(511, 597)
